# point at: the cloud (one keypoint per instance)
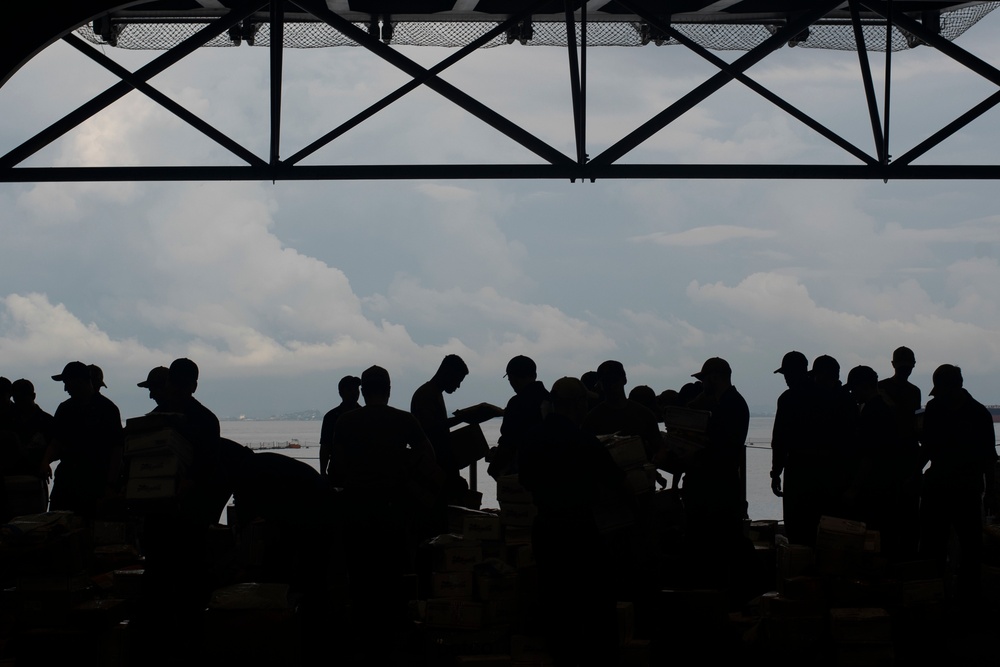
(778, 310)
(709, 235)
(35, 331)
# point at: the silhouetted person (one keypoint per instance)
(349, 389)
(799, 462)
(904, 398)
(385, 465)
(157, 382)
(176, 581)
(97, 377)
(10, 446)
(646, 397)
(874, 482)
(569, 473)
(958, 440)
(592, 382)
(294, 502)
(618, 414)
(714, 487)
(524, 411)
(203, 502)
(837, 424)
(87, 441)
(427, 405)
(34, 427)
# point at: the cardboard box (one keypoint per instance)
(515, 536)
(840, 534)
(491, 587)
(860, 625)
(163, 441)
(517, 514)
(627, 452)
(151, 488)
(927, 591)
(468, 445)
(501, 612)
(794, 559)
(685, 419)
(452, 585)
(509, 489)
(159, 465)
(454, 613)
(484, 527)
(455, 554)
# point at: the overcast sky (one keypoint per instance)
(278, 290)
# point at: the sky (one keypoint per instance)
(277, 290)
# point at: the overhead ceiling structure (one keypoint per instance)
(758, 28)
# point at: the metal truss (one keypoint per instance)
(872, 163)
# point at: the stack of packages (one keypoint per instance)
(837, 595)
(157, 458)
(62, 598)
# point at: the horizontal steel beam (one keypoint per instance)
(501, 171)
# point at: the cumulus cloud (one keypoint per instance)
(709, 235)
(781, 309)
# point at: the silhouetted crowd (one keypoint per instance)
(601, 530)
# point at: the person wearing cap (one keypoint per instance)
(959, 442)
(904, 398)
(714, 486)
(385, 466)
(87, 441)
(524, 411)
(793, 458)
(157, 381)
(349, 389)
(616, 413)
(97, 377)
(569, 472)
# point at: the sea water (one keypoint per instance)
(276, 434)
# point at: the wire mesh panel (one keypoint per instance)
(164, 32)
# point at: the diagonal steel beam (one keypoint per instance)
(715, 83)
(120, 89)
(413, 84)
(164, 101)
(319, 10)
(771, 97)
(277, 50)
(866, 77)
(949, 129)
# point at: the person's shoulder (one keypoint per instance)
(106, 404)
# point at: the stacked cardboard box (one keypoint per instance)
(862, 636)
(629, 453)
(517, 507)
(158, 458)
